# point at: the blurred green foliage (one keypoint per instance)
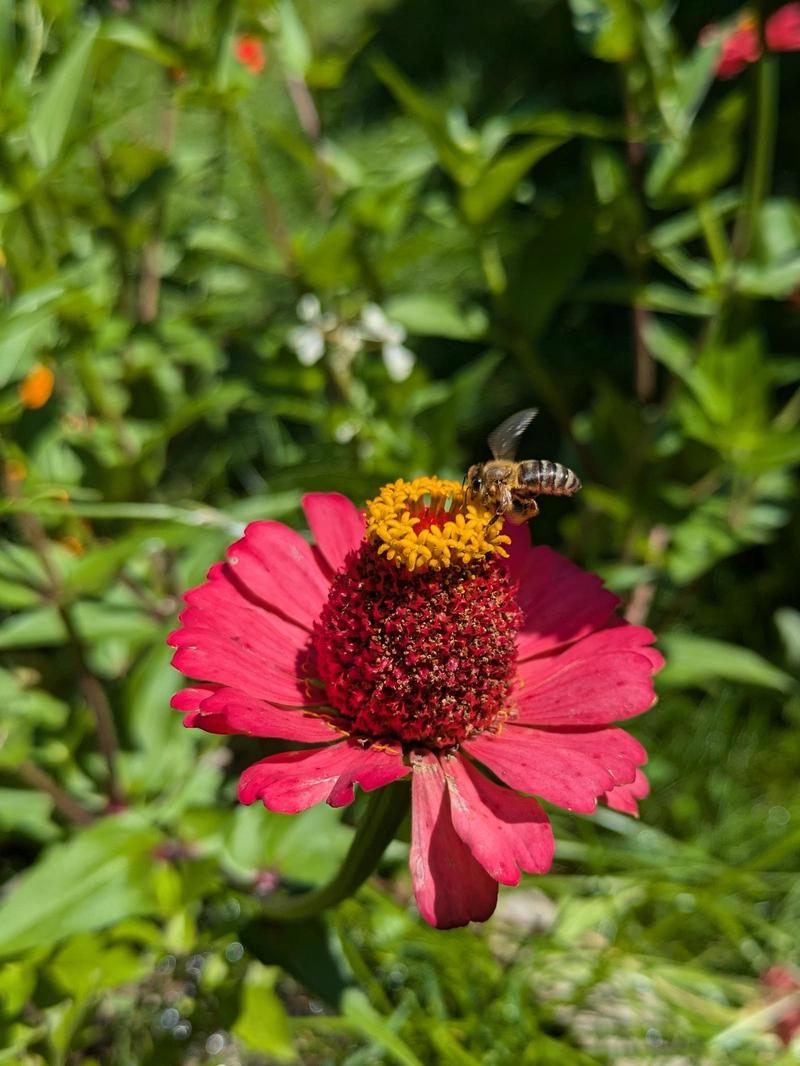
(341, 269)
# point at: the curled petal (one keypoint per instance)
(624, 797)
(570, 768)
(505, 832)
(190, 698)
(560, 603)
(234, 713)
(337, 525)
(618, 634)
(295, 780)
(450, 887)
(275, 565)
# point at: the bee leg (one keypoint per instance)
(498, 514)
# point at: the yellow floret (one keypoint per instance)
(460, 535)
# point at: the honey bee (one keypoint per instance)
(510, 488)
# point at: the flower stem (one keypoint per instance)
(759, 173)
(386, 810)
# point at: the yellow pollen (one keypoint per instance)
(458, 535)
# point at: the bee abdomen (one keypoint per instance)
(549, 478)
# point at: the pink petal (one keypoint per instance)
(560, 603)
(189, 699)
(783, 29)
(214, 657)
(570, 768)
(295, 780)
(618, 634)
(219, 604)
(583, 686)
(228, 639)
(623, 797)
(274, 564)
(234, 713)
(505, 832)
(450, 887)
(337, 525)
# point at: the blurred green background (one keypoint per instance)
(254, 249)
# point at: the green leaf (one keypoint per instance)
(307, 950)
(607, 28)
(363, 1017)
(685, 226)
(95, 570)
(294, 41)
(499, 181)
(307, 847)
(41, 627)
(694, 168)
(654, 296)
(434, 315)
(775, 281)
(87, 964)
(550, 262)
(17, 982)
(22, 335)
(262, 1024)
(787, 622)
(99, 877)
(136, 38)
(54, 109)
(460, 163)
(27, 812)
(694, 661)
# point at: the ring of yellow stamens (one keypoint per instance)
(453, 533)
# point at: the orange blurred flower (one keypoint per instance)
(15, 470)
(250, 53)
(36, 387)
(72, 544)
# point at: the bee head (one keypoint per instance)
(473, 479)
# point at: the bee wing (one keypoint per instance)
(503, 440)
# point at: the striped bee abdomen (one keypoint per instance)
(548, 478)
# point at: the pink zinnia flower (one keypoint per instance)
(250, 53)
(741, 46)
(413, 644)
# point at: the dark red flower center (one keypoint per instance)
(423, 658)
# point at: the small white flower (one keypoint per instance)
(308, 343)
(377, 326)
(345, 431)
(349, 339)
(309, 307)
(398, 360)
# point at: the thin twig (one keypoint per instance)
(150, 276)
(641, 599)
(308, 117)
(93, 691)
(64, 803)
(95, 696)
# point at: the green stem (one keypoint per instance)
(714, 236)
(760, 165)
(386, 810)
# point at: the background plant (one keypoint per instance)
(207, 249)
